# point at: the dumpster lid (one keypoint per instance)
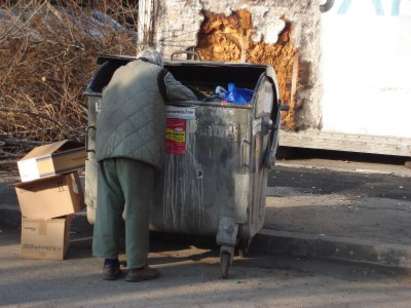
(189, 72)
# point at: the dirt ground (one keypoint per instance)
(190, 278)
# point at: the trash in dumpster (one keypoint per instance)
(235, 95)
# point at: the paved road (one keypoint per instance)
(373, 207)
(191, 279)
(311, 199)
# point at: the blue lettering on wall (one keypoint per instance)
(395, 8)
(378, 6)
(345, 5)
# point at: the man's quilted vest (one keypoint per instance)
(131, 123)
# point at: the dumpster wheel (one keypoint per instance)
(226, 258)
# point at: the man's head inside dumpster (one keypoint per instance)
(151, 55)
(130, 140)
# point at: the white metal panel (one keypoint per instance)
(313, 139)
(366, 67)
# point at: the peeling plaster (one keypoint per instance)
(267, 24)
(178, 23)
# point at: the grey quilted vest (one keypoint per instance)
(131, 123)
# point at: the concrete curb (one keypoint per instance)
(352, 167)
(334, 248)
(294, 244)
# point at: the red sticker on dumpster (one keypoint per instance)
(176, 136)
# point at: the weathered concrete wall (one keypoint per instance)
(234, 38)
(178, 22)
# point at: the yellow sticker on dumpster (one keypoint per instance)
(176, 136)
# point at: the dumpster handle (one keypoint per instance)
(272, 146)
(185, 52)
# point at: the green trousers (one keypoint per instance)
(125, 191)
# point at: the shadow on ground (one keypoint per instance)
(313, 181)
(191, 275)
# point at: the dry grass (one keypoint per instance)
(47, 56)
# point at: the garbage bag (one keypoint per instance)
(234, 95)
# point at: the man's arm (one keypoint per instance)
(172, 90)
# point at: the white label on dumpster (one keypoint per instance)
(186, 113)
(98, 105)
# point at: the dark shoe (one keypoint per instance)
(111, 269)
(140, 274)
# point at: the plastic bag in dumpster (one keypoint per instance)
(235, 95)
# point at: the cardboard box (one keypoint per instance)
(51, 159)
(45, 239)
(50, 197)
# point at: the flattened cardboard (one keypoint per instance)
(45, 239)
(51, 159)
(51, 197)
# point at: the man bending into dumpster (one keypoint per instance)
(129, 151)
